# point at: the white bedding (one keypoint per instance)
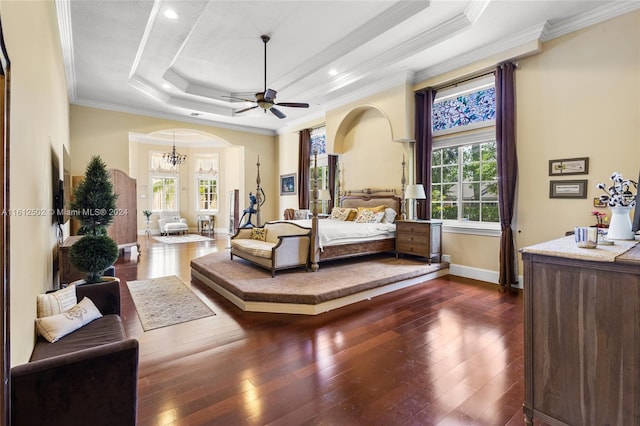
(333, 232)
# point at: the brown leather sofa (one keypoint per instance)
(89, 377)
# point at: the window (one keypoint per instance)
(207, 194)
(164, 183)
(164, 193)
(464, 186)
(323, 181)
(207, 182)
(319, 140)
(464, 183)
(319, 146)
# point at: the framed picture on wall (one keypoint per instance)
(288, 184)
(569, 166)
(568, 189)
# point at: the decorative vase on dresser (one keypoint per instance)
(620, 224)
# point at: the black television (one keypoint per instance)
(635, 226)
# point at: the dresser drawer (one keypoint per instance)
(419, 239)
(410, 248)
(411, 228)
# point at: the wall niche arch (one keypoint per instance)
(364, 141)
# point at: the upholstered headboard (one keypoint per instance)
(371, 198)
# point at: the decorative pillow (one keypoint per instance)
(341, 213)
(259, 234)
(55, 327)
(57, 302)
(367, 216)
(376, 209)
(389, 215)
(301, 214)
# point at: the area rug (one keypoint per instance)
(335, 284)
(177, 239)
(165, 301)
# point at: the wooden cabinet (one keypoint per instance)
(124, 227)
(419, 238)
(582, 338)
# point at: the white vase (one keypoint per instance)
(620, 224)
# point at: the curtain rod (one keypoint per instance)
(475, 77)
(459, 82)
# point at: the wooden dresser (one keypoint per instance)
(582, 333)
(419, 238)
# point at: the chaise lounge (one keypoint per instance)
(275, 246)
(170, 222)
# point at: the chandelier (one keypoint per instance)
(174, 158)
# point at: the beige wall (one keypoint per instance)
(106, 133)
(39, 128)
(363, 134)
(577, 98)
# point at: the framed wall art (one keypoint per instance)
(288, 184)
(569, 166)
(568, 189)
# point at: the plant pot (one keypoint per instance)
(104, 280)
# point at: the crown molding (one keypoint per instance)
(586, 19)
(173, 117)
(63, 11)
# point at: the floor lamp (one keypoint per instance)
(413, 193)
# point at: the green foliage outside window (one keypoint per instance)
(464, 183)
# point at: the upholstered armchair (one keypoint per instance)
(170, 221)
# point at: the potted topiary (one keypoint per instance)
(94, 204)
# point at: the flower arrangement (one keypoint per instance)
(146, 213)
(619, 194)
(601, 219)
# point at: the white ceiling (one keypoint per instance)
(128, 56)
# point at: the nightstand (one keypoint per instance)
(419, 238)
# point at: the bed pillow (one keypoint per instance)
(368, 216)
(55, 327)
(341, 213)
(301, 214)
(259, 234)
(57, 302)
(389, 215)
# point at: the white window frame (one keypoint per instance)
(214, 174)
(323, 164)
(482, 135)
(153, 176)
(161, 172)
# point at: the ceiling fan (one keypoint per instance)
(267, 98)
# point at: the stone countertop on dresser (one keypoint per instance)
(566, 247)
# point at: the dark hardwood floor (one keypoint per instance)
(445, 352)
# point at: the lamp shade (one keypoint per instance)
(324, 195)
(415, 192)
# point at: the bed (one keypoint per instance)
(332, 239)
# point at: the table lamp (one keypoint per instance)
(413, 193)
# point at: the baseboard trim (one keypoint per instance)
(486, 275)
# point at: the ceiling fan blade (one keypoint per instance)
(269, 95)
(293, 104)
(246, 109)
(277, 112)
(238, 99)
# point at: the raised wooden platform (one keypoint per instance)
(336, 284)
